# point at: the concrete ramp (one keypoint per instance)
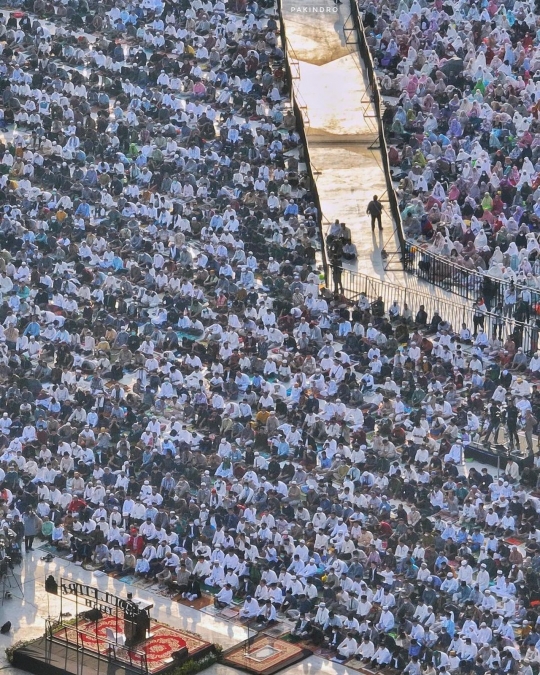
(341, 128)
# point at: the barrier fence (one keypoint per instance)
(462, 281)
(455, 312)
(367, 59)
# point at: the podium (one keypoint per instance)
(136, 621)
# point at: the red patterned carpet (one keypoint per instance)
(158, 648)
(265, 656)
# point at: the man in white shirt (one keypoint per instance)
(267, 614)
(250, 608)
(366, 650)
(116, 560)
(224, 597)
(347, 648)
(386, 620)
(381, 657)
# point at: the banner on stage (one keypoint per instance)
(95, 598)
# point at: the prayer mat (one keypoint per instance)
(198, 603)
(128, 579)
(279, 630)
(515, 541)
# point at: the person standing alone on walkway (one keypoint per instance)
(530, 424)
(337, 272)
(374, 209)
(32, 526)
(480, 311)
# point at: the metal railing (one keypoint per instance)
(378, 104)
(455, 312)
(442, 271)
(294, 68)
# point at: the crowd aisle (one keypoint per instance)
(183, 400)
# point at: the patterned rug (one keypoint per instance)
(198, 603)
(265, 656)
(515, 541)
(158, 648)
(283, 627)
(358, 665)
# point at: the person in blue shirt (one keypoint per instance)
(440, 561)
(414, 649)
(477, 540)
(151, 512)
(436, 582)
(326, 462)
(118, 264)
(462, 535)
(140, 160)
(449, 624)
(463, 592)
(256, 382)
(411, 569)
(283, 448)
(325, 504)
(290, 210)
(83, 209)
(32, 329)
(385, 508)
(90, 177)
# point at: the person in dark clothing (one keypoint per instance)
(512, 414)
(494, 422)
(337, 273)
(32, 526)
(421, 317)
(374, 209)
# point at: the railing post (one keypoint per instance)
(367, 59)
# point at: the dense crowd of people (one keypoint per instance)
(185, 401)
(462, 123)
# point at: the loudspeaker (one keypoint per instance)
(180, 655)
(93, 615)
(51, 586)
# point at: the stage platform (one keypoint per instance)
(496, 455)
(265, 656)
(43, 657)
(164, 649)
